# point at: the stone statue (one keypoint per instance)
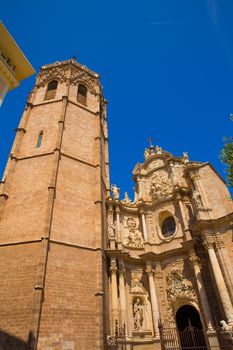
(146, 153)
(138, 315)
(115, 191)
(198, 199)
(111, 230)
(185, 157)
(158, 150)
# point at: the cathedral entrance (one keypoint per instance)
(187, 332)
(190, 328)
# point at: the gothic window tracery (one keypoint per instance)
(51, 90)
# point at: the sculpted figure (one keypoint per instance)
(185, 157)
(198, 199)
(159, 150)
(138, 315)
(146, 153)
(115, 191)
(111, 231)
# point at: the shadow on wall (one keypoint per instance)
(10, 342)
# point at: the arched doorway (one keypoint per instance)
(190, 328)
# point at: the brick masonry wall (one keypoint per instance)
(18, 277)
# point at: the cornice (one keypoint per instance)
(212, 223)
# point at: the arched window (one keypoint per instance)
(51, 90)
(39, 140)
(82, 94)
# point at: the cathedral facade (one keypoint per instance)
(82, 268)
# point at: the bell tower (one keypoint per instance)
(52, 214)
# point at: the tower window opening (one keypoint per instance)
(82, 94)
(51, 90)
(39, 140)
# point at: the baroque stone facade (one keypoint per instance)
(82, 268)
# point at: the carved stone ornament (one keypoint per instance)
(56, 73)
(161, 186)
(179, 288)
(157, 163)
(136, 283)
(134, 238)
(126, 199)
(78, 75)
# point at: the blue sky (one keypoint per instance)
(166, 67)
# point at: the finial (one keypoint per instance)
(150, 141)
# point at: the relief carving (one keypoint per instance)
(134, 237)
(161, 186)
(56, 73)
(78, 75)
(136, 284)
(179, 288)
(155, 164)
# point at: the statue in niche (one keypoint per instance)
(198, 199)
(111, 230)
(138, 314)
(115, 191)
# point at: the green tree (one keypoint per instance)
(226, 157)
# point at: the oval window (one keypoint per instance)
(168, 227)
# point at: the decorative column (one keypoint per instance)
(111, 228)
(144, 228)
(221, 286)
(114, 313)
(194, 260)
(123, 304)
(149, 225)
(226, 264)
(154, 300)
(118, 228)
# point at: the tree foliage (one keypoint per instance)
(226, 157)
